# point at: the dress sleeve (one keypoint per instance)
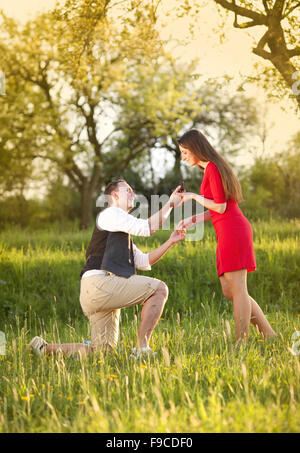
(216, 185)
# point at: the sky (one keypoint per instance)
(233, 57)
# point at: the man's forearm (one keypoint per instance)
(157, 219)
(156, 254)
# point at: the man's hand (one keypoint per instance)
(177, 235)
(157, 254)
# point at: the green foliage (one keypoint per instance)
(41, 269)
(272, 185)
(73, 71)
(200, 381)
(68, 86)
(278, 44)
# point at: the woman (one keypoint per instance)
(220, 193)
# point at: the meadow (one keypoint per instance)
(199, 381)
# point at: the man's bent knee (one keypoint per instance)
(163, 290)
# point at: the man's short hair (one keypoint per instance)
(112, 186)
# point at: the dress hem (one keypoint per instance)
(249, 269)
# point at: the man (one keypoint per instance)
(109, 281)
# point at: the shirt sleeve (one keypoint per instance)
(216, 185)
(141, 260)
(115, 219)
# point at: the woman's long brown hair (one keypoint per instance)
(197, 144)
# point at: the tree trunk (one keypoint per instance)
(177, 165)
(86, 207)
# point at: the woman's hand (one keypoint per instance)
(186, 196)
(177, 236)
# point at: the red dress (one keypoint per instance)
(234, 233)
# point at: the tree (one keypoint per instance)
(272, 185)
(89, 63)
(279, 43)
(71, 79)
(181, 102)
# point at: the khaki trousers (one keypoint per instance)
(102, 297)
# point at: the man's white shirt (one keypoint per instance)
(114, 219)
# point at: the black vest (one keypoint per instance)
(110, 251)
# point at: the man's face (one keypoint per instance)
(124, 195)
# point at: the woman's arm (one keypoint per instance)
(206, 202)
(199, 218)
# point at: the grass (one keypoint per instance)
(199, 381)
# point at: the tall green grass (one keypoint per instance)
(199, 381)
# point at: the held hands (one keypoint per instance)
(177, 198)
(186, 196)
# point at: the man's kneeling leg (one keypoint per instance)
(151, 313)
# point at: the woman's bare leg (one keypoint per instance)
(241, 304)
(257, 318)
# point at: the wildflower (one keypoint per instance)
(70, 398)
(111, 376)
(25, 398)
(60, 395)
(80, 403)
(100, 361)
(143, 366)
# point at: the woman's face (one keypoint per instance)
(188, 156)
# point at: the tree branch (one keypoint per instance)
(294, 52)
(68, 171)
(258, 18)
(288, 12)
(259, 49)
(278, 8)
(91, 127)
(265, 3)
